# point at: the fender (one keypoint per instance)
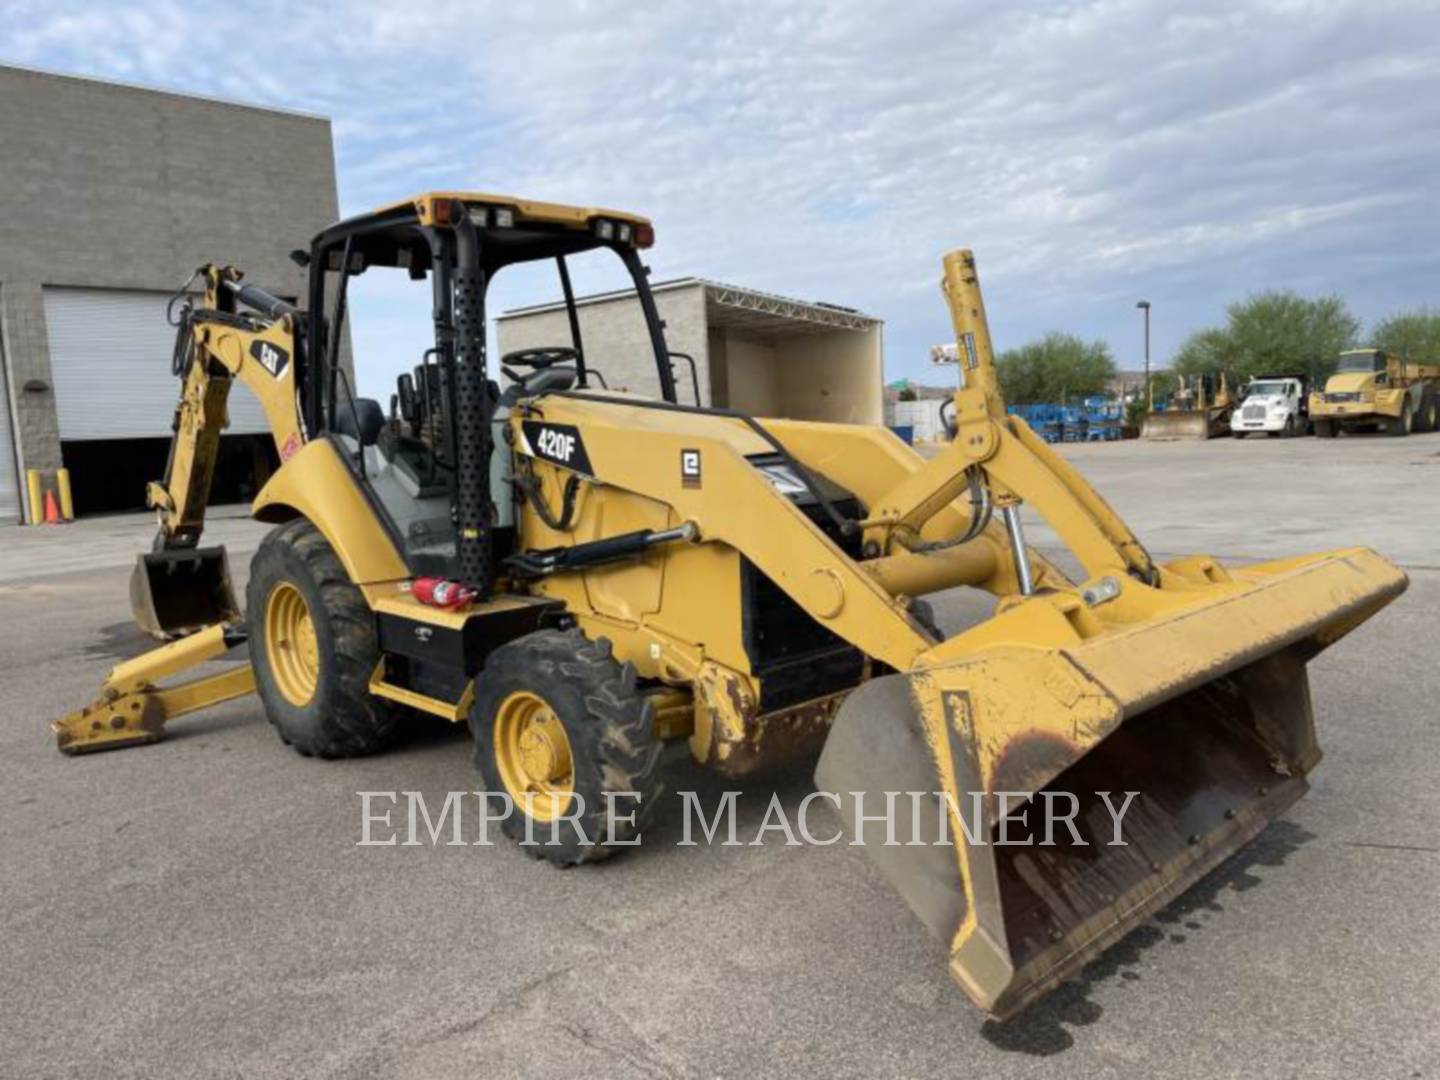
(316, 484)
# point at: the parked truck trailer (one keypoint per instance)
(1375, 389)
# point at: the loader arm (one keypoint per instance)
(1183, 685)
(1019, 465)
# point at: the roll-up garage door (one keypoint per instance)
(110, 366)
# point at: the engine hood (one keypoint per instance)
(1350, 382)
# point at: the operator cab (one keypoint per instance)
(427, 265)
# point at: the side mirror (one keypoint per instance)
(409, 411)
(300, 257)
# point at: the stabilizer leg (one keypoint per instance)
(132, 710)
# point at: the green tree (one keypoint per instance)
(1059, 367)
(1271, 332)
(1413, 334)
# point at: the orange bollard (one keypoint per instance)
(52, 511)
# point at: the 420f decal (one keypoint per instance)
(557, 443)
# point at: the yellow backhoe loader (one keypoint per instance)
(646, 571)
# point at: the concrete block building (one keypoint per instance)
(110, 197)
(763, 354)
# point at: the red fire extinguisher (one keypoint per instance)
(438, 592)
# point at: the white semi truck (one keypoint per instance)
(1275, 404)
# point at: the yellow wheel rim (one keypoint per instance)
(532, 753)
(290, 644)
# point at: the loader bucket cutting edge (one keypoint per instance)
(173, 593)
(1205, 714)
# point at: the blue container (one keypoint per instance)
(906, 433)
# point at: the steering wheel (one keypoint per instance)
(540, 358)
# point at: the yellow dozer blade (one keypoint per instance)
(1198, 416)
(1186, 424)
(1197, 703)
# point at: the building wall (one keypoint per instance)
(835, 376)
(832, 375)
(752, 382)
(617, 343)
(108, 186)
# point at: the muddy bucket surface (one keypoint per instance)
(173, 593)
(1195, 730)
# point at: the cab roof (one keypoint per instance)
(388, 238)
(576, 217)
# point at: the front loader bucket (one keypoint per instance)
(173, 593)
(1203, 712)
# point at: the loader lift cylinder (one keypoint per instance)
(1011, 513)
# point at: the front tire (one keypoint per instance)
(1403, 424)
(313, 646)
(1326, 429)
(558, 719)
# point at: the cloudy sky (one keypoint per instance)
(1091, 153)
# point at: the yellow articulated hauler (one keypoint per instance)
(647, 571)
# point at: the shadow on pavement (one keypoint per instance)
(1043, 1029)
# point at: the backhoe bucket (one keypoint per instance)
(173, 593)
(1194, 699)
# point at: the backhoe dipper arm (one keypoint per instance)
(215, 345)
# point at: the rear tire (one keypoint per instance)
(1403, 424)
(1428, 418)
(313, 646)
(590, 733)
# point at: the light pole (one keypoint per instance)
(1144, 305)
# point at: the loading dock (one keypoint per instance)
(758, 352)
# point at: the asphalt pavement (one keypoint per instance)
(201, 908)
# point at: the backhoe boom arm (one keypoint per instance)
(216, 345)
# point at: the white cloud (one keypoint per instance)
(1090, 152)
